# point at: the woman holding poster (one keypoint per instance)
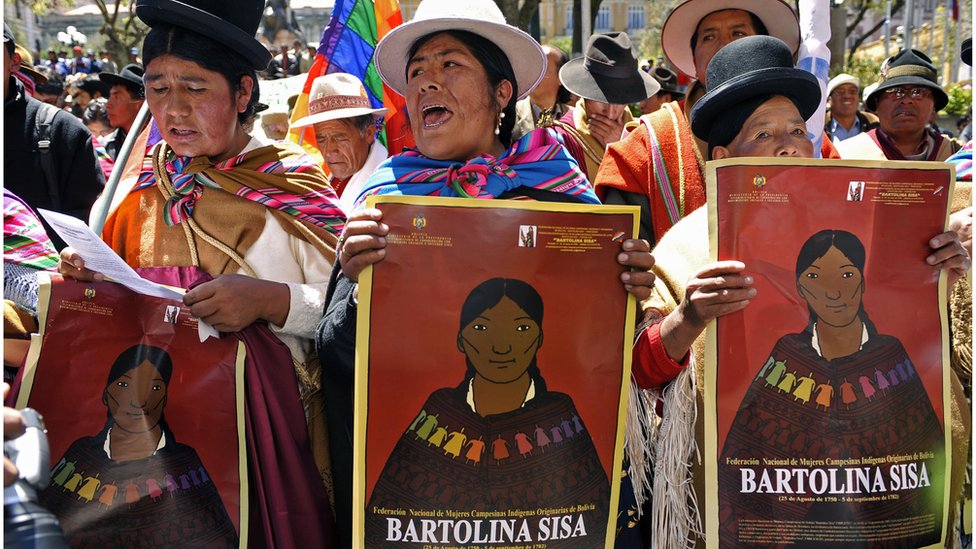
(248, 227)
(461, 68)
(756, 106)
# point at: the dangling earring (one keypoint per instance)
(498, 123)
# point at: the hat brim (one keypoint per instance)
(523, 52)
(616, 91)
(37, 77)
(799, 85)
(173, 12)
(334, 115)
(834, 84)
(676, 94)
(941, 99)
(113, 79)
(778, 17)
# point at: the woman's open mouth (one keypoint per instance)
(435, 115)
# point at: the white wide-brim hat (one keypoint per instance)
(481, 17)
(334, 96)
(779, 18)
(840, 80)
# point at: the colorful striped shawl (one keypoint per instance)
(280, 176)
(24, 240)
(963, 159)
(538, 161)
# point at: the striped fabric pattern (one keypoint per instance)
(279, 178)
(538, 160)
(963, 159)
(24, 240)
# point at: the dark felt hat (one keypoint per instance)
(747, 70)
(966, 52)
(608, 72)
(668, 81)
(233, 24)
(92, 84)
(130, 76)
(909, 68)
(8, 35)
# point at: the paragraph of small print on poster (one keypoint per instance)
(827, 396)
(494, 349)
(145, 422)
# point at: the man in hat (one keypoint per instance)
(124, 101)
(54, 169)
(546, 100)
(844, 120)
(345, 125)
(658, 166)
(80, 63)
(86, 88)
(607, 79)
(905, 101)
(670, 90)
(28, 75)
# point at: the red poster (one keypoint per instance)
(826, 397)
(494, 356)
(145, 422)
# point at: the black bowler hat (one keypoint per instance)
(608, 72)
(966, 51)
(740, 76)
(909, 68)
(668, 81)
(130, 76)
(232, 24)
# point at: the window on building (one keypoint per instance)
(635, 18)
(569, 19)
(602, 19)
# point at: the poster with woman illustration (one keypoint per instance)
(826, 398)
(145, 422)
(493, 364)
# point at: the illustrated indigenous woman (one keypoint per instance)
(133, 484)
(443, 460)
(249, 228)
(461, 69)
(838, 390)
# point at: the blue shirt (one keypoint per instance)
(839, 133)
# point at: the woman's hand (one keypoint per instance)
(362, 242)
(73, 266)
(230, 303)
(716, 290)
(637, 254)
(949, 254)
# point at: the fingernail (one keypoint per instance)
(752, 292)
(625, 277)
(628, 245)
(622, 257)
(748, 280)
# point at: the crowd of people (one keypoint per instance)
(276, 243)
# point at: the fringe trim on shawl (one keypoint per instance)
(675, 517)
(641, 431)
